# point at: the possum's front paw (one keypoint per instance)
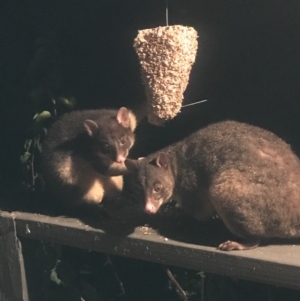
(95, 192)
(233, 245)
(117, 169)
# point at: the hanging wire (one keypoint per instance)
(167, 13)
(194, 103)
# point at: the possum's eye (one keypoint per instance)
(105, 147)
(123, 140)
(157, 186)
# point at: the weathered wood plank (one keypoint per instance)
(13, 286)
(276, 264)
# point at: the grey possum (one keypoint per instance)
(246, 175)
(83, 155)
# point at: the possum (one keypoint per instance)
(246, 175)
(83, 155)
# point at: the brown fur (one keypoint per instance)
(75, 168)
(247, 175)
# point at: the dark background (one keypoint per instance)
(248, 64)
(248, 67)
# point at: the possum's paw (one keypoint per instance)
(95, 193)
(233, 245)
(117, 169)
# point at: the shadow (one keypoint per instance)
(170, 222)
(124, 216)
(121, 216)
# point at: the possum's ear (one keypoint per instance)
(126, 118)
(162, 160)
(132, 165)
(91, 127)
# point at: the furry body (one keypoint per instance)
(83, 155)
(246, 175)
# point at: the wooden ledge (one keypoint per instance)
(273, 264)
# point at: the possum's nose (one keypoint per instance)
(150, 208)
(120, 159)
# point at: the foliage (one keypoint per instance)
(44, 75)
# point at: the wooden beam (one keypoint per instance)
(13, 284)
(276, 264)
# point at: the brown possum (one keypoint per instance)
(246, 175)
(83, 155)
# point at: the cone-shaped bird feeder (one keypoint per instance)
(166, 56)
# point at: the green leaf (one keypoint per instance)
(24, 158)
(27, 144)
(41, 117)
(40, 121)
(68, 103)
(36, 141)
